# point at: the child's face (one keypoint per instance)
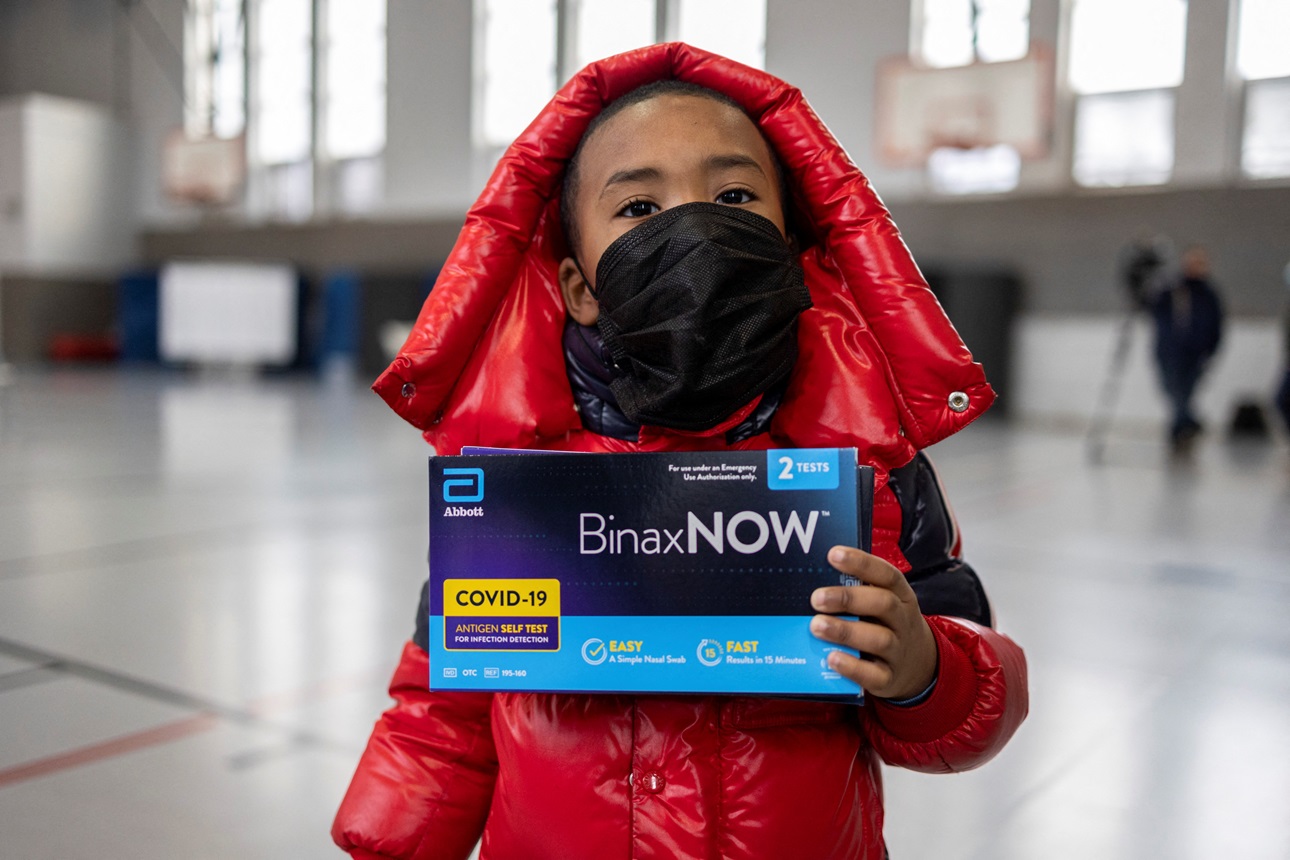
(661, 153)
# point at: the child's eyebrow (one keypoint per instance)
(648, 174)
(634, 174)
(721, 162)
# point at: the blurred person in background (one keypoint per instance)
(1189, 326)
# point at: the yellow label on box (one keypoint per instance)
(501, 597)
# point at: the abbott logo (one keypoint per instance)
(467, 488)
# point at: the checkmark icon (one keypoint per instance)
(593, 651)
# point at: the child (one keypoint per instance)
(670, 311)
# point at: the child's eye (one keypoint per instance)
(639, 209)
(735, 196)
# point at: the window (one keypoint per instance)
(518, 74)
(1262, 50)
(982, 170)
(215, 56)
(314, 109)
(607, 27)
(1126, 58)
(732, 28)
(281, 121)
(352, 107)
(956, 33)
(1124, 139)
(1265, 145)
(1263, 61)
(353, 57)
(527, 46)
(1121, 45)
(282, 76)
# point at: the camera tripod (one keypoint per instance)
(1104, 413)
(1143, 264)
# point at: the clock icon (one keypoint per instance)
(709, 652)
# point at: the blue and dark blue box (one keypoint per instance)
(671, 572)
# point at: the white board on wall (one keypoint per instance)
(228, 313)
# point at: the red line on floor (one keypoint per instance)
(263, 707)
(108, 749)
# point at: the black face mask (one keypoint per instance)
(698, 309)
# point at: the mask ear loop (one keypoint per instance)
(578, 265)
(604, 351)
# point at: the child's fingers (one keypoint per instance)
(870, 639)
(857, 600)
(868, 568)
(888, 667)
(891, 596)
(899, 651)
(873, 676)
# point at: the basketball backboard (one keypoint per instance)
(208, 170)
(921, 109)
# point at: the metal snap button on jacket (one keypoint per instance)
(652, 782)
(409, 389)
(958, 401)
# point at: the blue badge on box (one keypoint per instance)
(673, 572)
(802, 468)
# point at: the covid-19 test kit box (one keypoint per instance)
(672, 572)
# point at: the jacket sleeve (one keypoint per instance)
(980, 696)
(423, 786)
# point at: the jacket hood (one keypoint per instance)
(880, 367)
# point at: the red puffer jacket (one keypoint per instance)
(603, 777)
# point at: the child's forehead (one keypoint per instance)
(672, 126)
(673, 104)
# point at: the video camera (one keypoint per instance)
(1142, 267)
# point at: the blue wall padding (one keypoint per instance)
(137, 310)
(342, 292)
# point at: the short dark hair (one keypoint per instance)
(643, 93)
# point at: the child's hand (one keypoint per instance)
(898, 647)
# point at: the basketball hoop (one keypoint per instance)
(962, 122)
(920, 110)
(208, 171)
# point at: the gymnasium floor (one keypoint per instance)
(205, 581)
